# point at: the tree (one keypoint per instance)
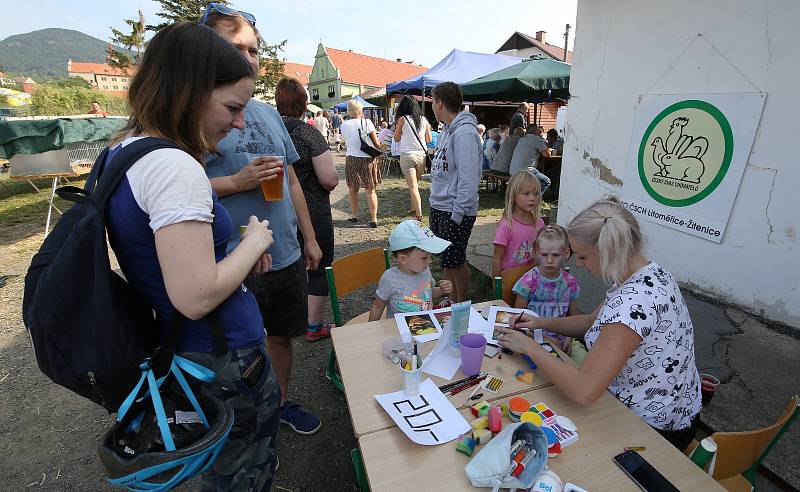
(4, 100)
(135, 39)
(50, 99)
(180, 10)
(120, 61)
(271, 68)
(77, 82)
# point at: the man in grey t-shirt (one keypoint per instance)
(528, 150)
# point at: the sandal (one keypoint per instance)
(353, 219)
(373, 225)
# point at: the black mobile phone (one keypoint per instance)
(643, 473)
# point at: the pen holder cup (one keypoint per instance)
(411, 381)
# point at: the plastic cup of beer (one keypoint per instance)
(273, 189)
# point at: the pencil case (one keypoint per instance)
(490, 467)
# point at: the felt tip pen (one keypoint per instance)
(525, 462)
(448, 386)
(635, 448)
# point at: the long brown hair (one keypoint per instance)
(168, 95)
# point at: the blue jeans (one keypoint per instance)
(543, 179)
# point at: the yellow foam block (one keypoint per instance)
(525, 377)
(480, 409)
(480, 423)
(482, 436)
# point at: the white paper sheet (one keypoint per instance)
(427, 418)
(442, 361)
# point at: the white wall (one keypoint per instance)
(627, 48)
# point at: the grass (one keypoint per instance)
(21, 204)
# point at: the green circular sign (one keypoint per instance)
(685, 153)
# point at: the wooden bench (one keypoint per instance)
(493, 180)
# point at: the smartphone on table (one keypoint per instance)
(643, 473)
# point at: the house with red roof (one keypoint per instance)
(298, 71)
(525, 46)
(339, 75)
(101, 77)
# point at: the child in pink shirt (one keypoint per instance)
(520, 224)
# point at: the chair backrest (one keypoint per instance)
(505, 282)
(43, 165)
(353, 272)
(740, 452)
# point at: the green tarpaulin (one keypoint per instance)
(35, 136)
(531, 80)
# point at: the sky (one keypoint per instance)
(423, 31)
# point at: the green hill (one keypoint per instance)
(43, 54)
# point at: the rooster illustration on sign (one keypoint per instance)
(680, 157)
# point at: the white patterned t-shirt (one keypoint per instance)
(659, 382)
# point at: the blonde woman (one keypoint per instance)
(360, 170)
(640, 339)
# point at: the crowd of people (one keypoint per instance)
(194, 233)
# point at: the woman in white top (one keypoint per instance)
(360, 170)
(321, 122)
(640, 338)
(412, 133)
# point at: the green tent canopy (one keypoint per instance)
(530, 80)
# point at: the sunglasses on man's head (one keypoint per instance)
(225, 10)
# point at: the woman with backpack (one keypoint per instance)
(169, 234)
(412, 132)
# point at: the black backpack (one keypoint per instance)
(89, 328)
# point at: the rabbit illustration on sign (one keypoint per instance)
(680, 157)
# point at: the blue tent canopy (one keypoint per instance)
(342, 106)
(458, 66)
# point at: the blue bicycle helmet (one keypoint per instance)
(176, 437)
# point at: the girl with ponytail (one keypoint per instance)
(640, 339)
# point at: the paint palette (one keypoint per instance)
(493, 384)
(550, 419)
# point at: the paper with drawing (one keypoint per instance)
(500, 316)
(427, 418)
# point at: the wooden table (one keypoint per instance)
(391, 459)
(366, 372)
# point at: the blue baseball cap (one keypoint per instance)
(411, 233)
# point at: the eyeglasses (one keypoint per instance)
(225, 10)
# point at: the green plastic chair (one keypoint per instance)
(345, 275)
(361, 474)
(505, 282)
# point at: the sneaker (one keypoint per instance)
(299, 419)
(323, 332)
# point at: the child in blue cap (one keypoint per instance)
(409, 286)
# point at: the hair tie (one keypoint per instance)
(606, 220)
